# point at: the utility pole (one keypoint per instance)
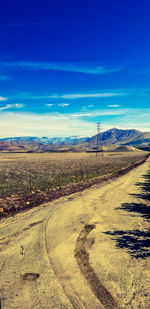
(89, 143)
(99, 139)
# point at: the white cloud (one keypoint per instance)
(3, 98)
(87, 95)
(60, 104)
(114, 105)
(72, 96)
(10, 106)
(101, 112)
(80, 115)
(88, 68)
(27, 124)
(63, 104)
(18, 105)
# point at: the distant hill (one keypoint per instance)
(124, 148)
(121, 137)
(112, 137)
(6, 146)
(71, 140)
(37, 144)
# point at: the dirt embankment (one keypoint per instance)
(11, 206)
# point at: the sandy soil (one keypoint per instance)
(63, 254)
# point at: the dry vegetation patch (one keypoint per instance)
(27, 180)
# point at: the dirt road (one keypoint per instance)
(88, 250)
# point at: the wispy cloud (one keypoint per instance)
(5, 78)
(56, 124)
(50, 104)
(61, 66)
(30, 124)
(10, 106)
(71, 96)
(100, 112)
(103, 93)
(87, 95)
(114, 105)
(3, 99)
(63, 104)
(137, 118)
(87, 107)
(60, 104)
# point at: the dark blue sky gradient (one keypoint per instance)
(61, 45)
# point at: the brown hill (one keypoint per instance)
(124, 148)
(121, 137)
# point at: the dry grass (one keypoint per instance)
(22, 173)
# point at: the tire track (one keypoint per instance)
(71, 299)
(82, 258)
(11, 237)
(73, 303)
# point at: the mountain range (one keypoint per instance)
(109, 138)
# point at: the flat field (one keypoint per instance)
(23, 173)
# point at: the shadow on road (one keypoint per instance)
(145, 188)
(140, 208)
(137, 242)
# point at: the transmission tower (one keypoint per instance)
(99, 138)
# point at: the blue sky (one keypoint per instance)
(64, 65)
